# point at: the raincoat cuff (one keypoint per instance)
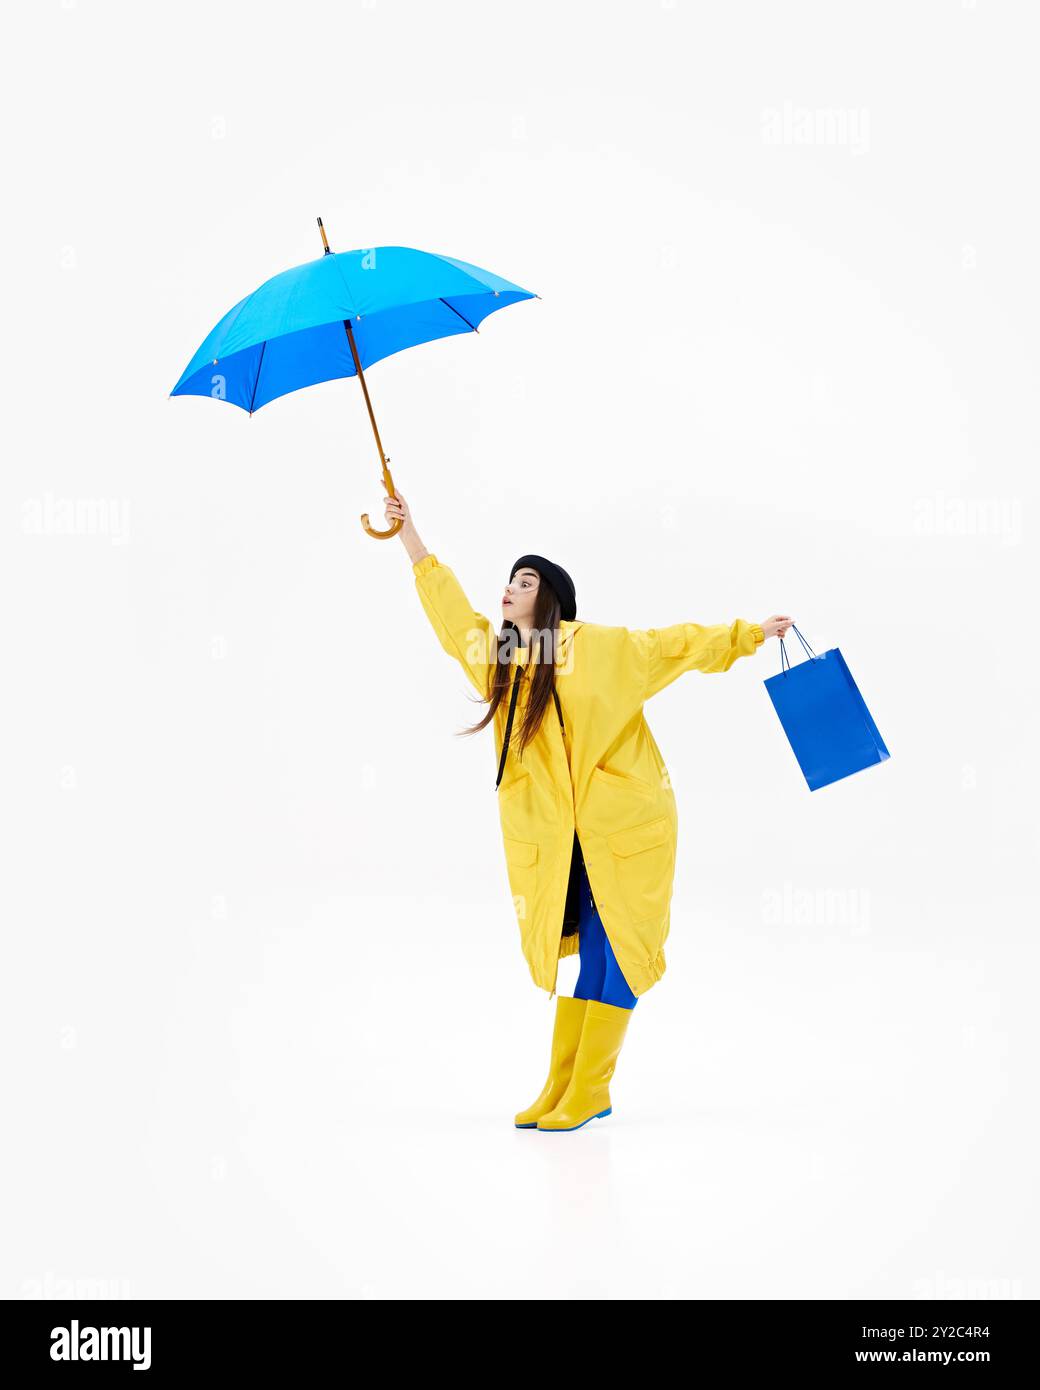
(423, 566)
(757, 634)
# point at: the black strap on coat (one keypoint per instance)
(509, 720)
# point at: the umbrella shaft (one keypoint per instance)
(368, 403)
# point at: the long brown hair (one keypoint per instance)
(539, 671)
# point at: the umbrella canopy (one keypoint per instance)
(289, 333)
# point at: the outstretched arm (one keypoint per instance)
(668, 652)
(463, 633)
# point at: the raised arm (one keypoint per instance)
(668, 652)
(466, 635)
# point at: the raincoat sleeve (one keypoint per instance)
(668, 652)
(464, 634)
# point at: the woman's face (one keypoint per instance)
(518, 602)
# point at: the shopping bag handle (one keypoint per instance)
(783, 651)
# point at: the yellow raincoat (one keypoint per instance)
(602, 774)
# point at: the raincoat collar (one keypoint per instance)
(565, 636)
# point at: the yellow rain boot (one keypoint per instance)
(570, 1015)
(588, 1095)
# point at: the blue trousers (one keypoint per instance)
(599, 975)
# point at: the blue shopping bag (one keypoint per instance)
(825, 718)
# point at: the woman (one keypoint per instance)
(588, 816)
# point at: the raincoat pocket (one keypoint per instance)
(644, 864)
(521, 859)
(507, 791)
(620, 779)
(612, 798)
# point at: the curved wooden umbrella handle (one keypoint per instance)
(396, 526)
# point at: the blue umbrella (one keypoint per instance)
(289, 333)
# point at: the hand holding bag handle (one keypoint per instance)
(783, 651)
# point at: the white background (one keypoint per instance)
(265, 1017)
